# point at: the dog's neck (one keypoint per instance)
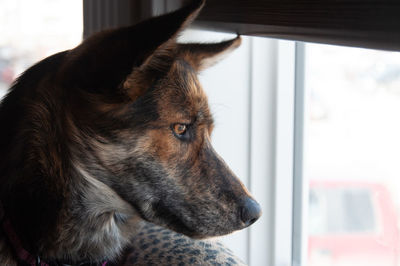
(23, 256)
(95, 220)
(93, 223)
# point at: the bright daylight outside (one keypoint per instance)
(29, 32)
(352, 153)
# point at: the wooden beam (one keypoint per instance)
(369, 23)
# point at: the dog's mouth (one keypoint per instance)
(169, 217)
(163, 216)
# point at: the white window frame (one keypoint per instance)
(300, 183)
(279, 78)
(277, 74)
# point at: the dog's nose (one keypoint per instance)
(250, 211)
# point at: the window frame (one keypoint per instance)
(300, 183)
(358, 23)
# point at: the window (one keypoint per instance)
(33, 30)
(352, 147)
(341, 210)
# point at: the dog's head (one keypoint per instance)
(143, 126)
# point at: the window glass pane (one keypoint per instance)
(32, 30)
(352, 153)
(354, 212)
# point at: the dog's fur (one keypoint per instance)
(88, 147)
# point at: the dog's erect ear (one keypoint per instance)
(102, 63)
(202, 56)
(199, 55)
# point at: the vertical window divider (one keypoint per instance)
(283, 179)
(263, 106)
(300, 184)
(249, 139)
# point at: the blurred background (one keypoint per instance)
(33, 30)
(352, 152)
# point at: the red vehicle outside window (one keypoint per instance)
(352, 224)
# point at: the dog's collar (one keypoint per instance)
(25, 257)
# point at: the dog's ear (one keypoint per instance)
(204, 55)
(102, 63)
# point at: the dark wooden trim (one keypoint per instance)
(104, 14)
(369, 23)
(360, 23)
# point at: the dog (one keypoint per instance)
(116, 131)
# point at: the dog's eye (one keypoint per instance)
(179, 129)
(182, 131)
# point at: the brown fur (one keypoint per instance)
(88, 150)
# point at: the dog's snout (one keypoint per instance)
(250, 211)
